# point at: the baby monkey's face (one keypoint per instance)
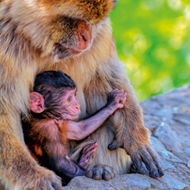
(71, 107)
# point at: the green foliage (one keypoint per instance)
(153, 41)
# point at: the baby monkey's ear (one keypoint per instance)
(36, 102)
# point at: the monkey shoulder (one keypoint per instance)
(40, 129)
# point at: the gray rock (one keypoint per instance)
(160, 148)
(164, 113)
(187, 150)
(79, 183)
(169, 156)
(157, 145)
(138, 182)
(183, 118)
(166, 164)
(188, 164)
(173, 183)
(168, 137)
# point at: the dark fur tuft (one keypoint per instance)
(56, 79)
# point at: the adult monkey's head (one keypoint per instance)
(61, 28)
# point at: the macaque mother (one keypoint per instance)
(74, 36)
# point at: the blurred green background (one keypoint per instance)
(153, 41)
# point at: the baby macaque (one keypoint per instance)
(54, 110)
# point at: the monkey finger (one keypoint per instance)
(116, 93)
(108, 173)
(94, 145)
(55, 184)
(89, 153)
(84, 163)
(137, 161)
(133, 168)
(89, 173)
(112, 174)
(97, 173)
(84, 150)
(123, 94)
(112, 92)
(101, 172)
(120, 105)
(122, 100)
(119, 93)
(85, 157)
(156, 161)
(150, 165)
(120, 90)
(54, 187)
(114, 145)
(117, 106)
(89, 148)
(58, 178)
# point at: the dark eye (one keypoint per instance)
(69, 98)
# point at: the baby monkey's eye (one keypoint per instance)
(69, 98)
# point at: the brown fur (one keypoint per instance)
(42, 130)
(28, 33)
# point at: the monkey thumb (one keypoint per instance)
(120, 105)
(114, 145)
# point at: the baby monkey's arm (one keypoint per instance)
(82, 129)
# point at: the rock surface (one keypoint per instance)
(167, 117)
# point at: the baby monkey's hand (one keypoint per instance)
(116, 99)
(86, 154)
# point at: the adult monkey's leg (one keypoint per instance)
(130, 132)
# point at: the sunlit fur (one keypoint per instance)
(28, 30)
